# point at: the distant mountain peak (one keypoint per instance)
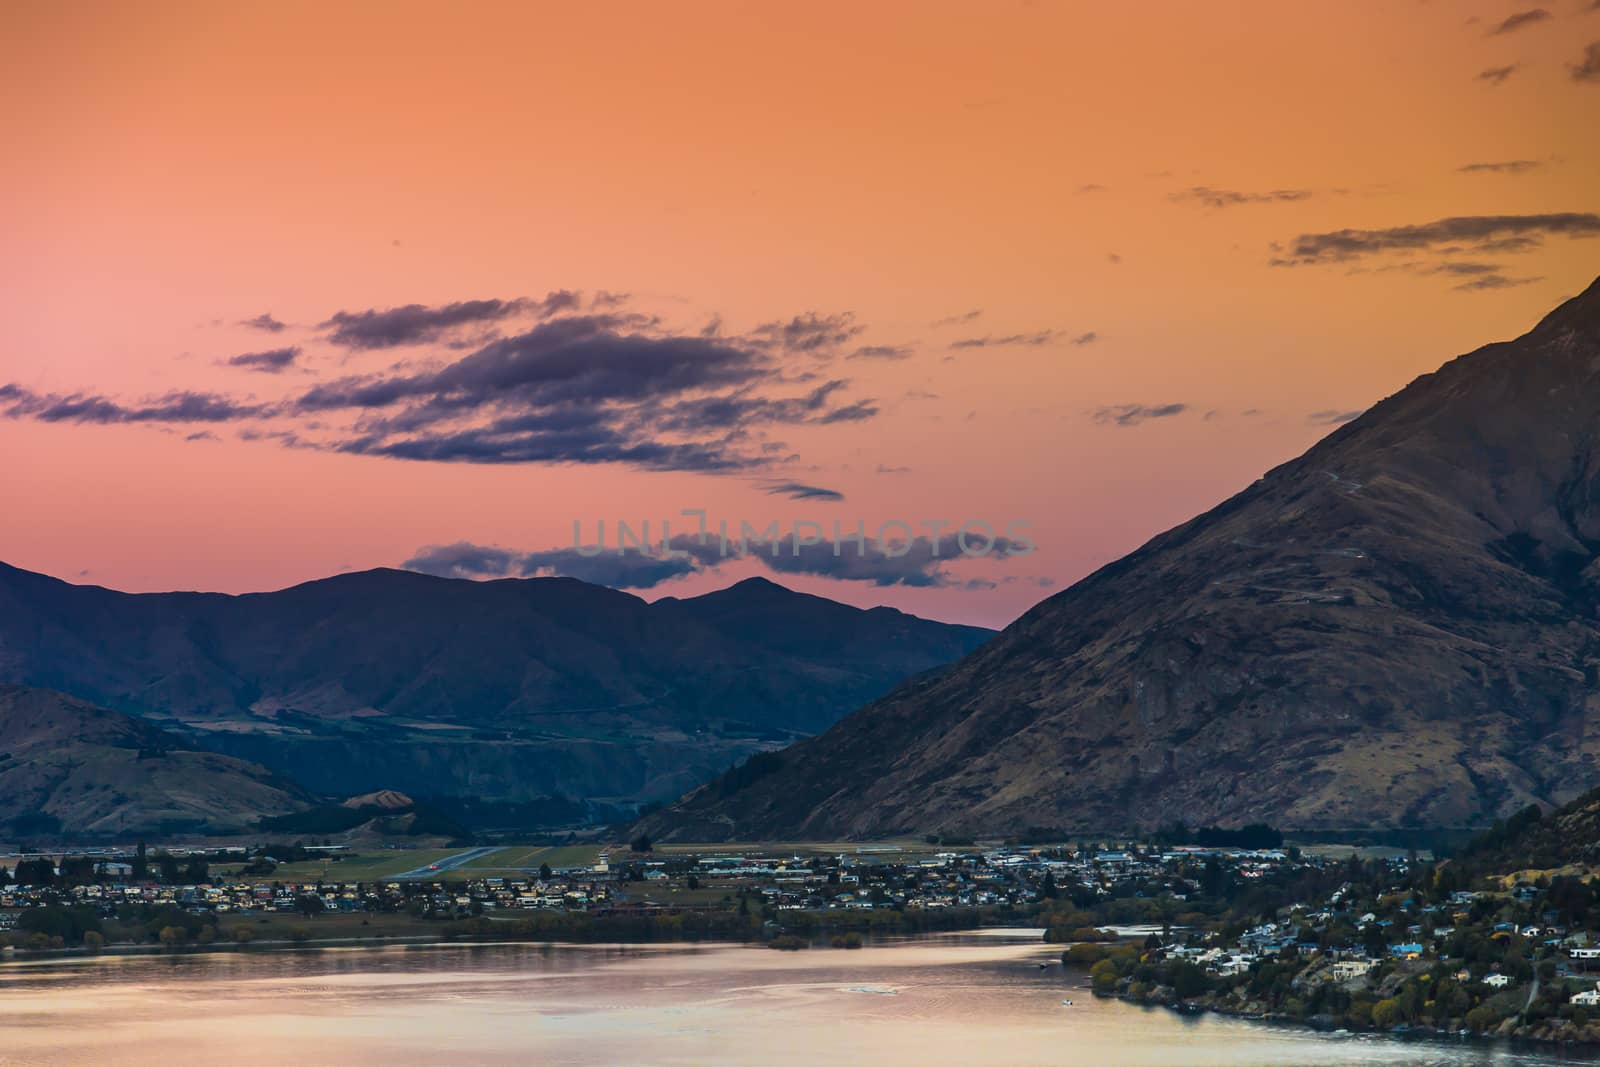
(1581, 313)
(1400, 627)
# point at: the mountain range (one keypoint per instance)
(1398, 628)
(65, 764)
(505, 690)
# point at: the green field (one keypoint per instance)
(520, 859)
(354, 867)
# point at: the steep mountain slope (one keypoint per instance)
(1397, 628)
(69, 765)
(510, 689)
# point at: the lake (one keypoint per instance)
(962, 1000)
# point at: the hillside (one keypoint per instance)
(1397, 628)
(512, 689)
(69, 766)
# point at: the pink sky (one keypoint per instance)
(1065, 170)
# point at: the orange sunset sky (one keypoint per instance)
(1094, 267)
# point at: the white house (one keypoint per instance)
(1498, 981)
(1588, 998)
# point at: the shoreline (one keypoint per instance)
(13, 956)
(1530, 1041)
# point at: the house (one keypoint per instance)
(1408, 951)
(1588, 998)
(1344, 970)
(1497, 981)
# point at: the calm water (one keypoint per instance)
(959, 1000)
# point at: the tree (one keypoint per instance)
(77, 870)
(168, 864)
(1386, 1013)
(172, 936)
(1104, 976)
(641, 843)
(36, 872)
(545, 873)
(141, 864)
(309, 904)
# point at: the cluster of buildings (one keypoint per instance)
(865, 878)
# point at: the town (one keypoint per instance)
(1325, 936)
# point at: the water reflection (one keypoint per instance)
(967, 1000)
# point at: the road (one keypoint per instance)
(449, 863)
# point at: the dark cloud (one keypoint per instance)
(417, 323)
(1588, 69)
(1134, 414)
(1042, 337)
(882, 352)
(1509, 166)
(1086, 338)
(1477, 233)
(605, 300)
(588, 389)
(1222, 198)
(957, 320)
(1496, 75)
(629, 570)
(599, 387)
(917, 561)
(264, 321)
(179, 406)
(273, 361)
(1331, 417)
(921, 562)
(800, 491)
(1518, 21)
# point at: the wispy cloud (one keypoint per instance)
(811, 332)
(1588, 68)
(1496, 281)
(1134, 414)
(1520, 20)
(882, 352)
(1041, 337)
(801, 491)
(1473, 233)
(264, 321)
(273, 361)
(1224, 198)
(1509, 166)
(957, 320)
(415, 324)
(1332, 417)
(1496, 75)
(179, 406)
